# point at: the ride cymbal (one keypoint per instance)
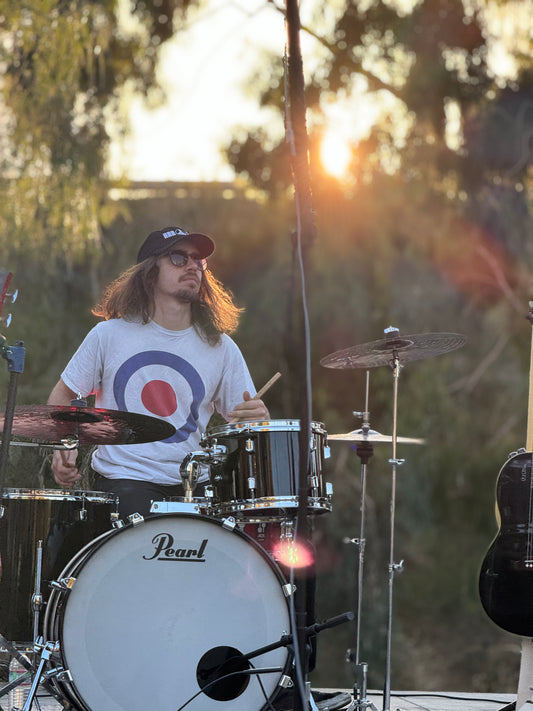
(386, 350)
(70, 426)
(361, 436)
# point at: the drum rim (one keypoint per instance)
(262, 426)
(17, 493)
(99, 541)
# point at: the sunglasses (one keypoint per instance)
(180, 259)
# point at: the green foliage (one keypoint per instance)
(64, 63)
(430, 58)
(406, 249)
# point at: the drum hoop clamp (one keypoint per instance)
(288, 589)
(285, 682)
(64, 584)
(229, 523)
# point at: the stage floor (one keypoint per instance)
(442, 701)
(399, 701)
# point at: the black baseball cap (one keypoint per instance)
(160, 241)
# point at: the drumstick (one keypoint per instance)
(266, 386)
(261, 392)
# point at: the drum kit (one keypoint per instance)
(104, 613)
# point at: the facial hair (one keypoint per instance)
(187, 296)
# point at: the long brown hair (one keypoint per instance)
(131, 295)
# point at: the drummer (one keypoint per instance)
(163, 349)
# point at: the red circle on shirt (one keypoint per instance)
(159, 397)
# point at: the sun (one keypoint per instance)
(335, 154)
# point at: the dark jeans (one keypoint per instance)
(135, 496)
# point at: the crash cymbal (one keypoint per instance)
(69, 426)
(360, 436)
(384, 351)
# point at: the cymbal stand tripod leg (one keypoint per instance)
(36, 674)
(364, 452)
(393, 567)
(46, 652)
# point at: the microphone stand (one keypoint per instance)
(287, 640)
(296, 133)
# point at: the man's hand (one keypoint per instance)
(249, 409)
(64, 460)
(64, 466)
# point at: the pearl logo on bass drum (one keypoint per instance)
(165, 550)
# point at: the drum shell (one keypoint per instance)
(156, 618)
(64, 521)
(269, 454)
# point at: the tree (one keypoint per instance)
(432, 59)
(64, 65)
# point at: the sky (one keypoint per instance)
(204, 73)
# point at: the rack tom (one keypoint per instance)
(257, 476)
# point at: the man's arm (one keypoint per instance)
(64, 460)
(61, 394)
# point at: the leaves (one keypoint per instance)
(64, 65)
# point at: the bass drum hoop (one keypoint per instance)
(55, 618)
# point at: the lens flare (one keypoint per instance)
(293, 554)
(335, 154)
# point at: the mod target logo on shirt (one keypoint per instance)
(153, 381)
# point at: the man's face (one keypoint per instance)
(178, 278)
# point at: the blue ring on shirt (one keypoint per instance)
(181, 366)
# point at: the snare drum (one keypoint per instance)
(258, 476)
(64, 521)
(159, 610)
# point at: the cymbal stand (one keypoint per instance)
(364, 451)
(46, 652)
(36, 674)
(37, 597)
(393, 567)
(15, 359)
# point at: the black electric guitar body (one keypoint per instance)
(506, 578)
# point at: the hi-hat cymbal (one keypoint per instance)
(361, 436)
(384, 351)
(69, 426)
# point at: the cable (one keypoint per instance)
(267, 699)
(249, 672)
(440, 695)
(421, 695)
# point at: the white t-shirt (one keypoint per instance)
(174, 375)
